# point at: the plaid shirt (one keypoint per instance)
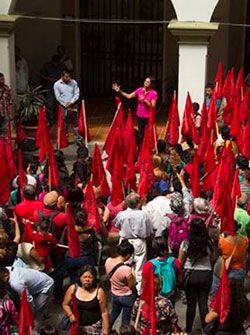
(5, 101)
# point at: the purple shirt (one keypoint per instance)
(141, 94)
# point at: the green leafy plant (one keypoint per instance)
(29, 104)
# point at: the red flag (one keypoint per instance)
(229, 85)
(235, 121)
(53, 179)
(90, 206)
(26, 322)
(74, 329)
(98, 172)
(188, 128)
(236, 192)
(221, 201)
(83, 129)
(72, 236)
(221, 302)
(130, 142)
(62, 141)
(195, 177)
(152, 129)
(147, 179)
(172, 127)
(246, 139)
(22, 178)
(42, 135)
(4, 177)
(116, 169)
(130, 179)
(20, 134)
(118, 122)
(240, 85)
(219, 81)
(244, 107)
(148, 297)
(212, 112)
(11, 167)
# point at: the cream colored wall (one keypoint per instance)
(38, 38)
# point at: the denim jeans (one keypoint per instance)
(232, 274)
(74, 264)
(122, 303)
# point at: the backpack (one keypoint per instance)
(178, 231)
(165, 269)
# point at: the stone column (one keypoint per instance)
(193, 40)
(7, 49)
(193, 29)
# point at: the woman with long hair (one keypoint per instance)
(90, 303)
(122, 282)
(196, 255)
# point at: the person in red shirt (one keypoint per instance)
(43, 242)
(26, 208)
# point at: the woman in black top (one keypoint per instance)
(239, 312)
(90, 301)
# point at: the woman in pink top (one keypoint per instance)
(122, 282)
(146, 96)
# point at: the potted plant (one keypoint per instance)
(28, 107)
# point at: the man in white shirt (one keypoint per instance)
(67, 93)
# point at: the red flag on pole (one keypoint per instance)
(173, 124)
(229, 85)
(53, 173)
(212, 112)
(116, 168)
(148, 297)
(188, 128)
(219, 81)
(244, 107)
(83, 129)
(42, 135)
(240, 85)
(26, 322)
(236, 191)
(62, 141)
(98, 172)
(246, 139)
(72, 236)
(90, 206)
(152, 129)
(130, 179)
(235, 121)
(130, 142)
(74, 329)
(118, 122)
(221, 302)
(146, 179)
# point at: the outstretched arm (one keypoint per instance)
(117, 88)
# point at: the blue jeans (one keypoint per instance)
(232, 274)
(122, 303)
(74, 264)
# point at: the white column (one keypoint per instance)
(193, 44)
(7, 59)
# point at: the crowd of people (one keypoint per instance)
(134, 250)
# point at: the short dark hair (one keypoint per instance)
(66, 72)
(29, 192)
(80, 217)
(1, 75)
(210, 85)
(82, 152)
(225, 132)
(87, 268)
(125, 248)
(161, 146)
(133, 200)
(242, 162)
(160, 246)
(196, 107)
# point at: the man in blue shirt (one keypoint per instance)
(67, 93)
